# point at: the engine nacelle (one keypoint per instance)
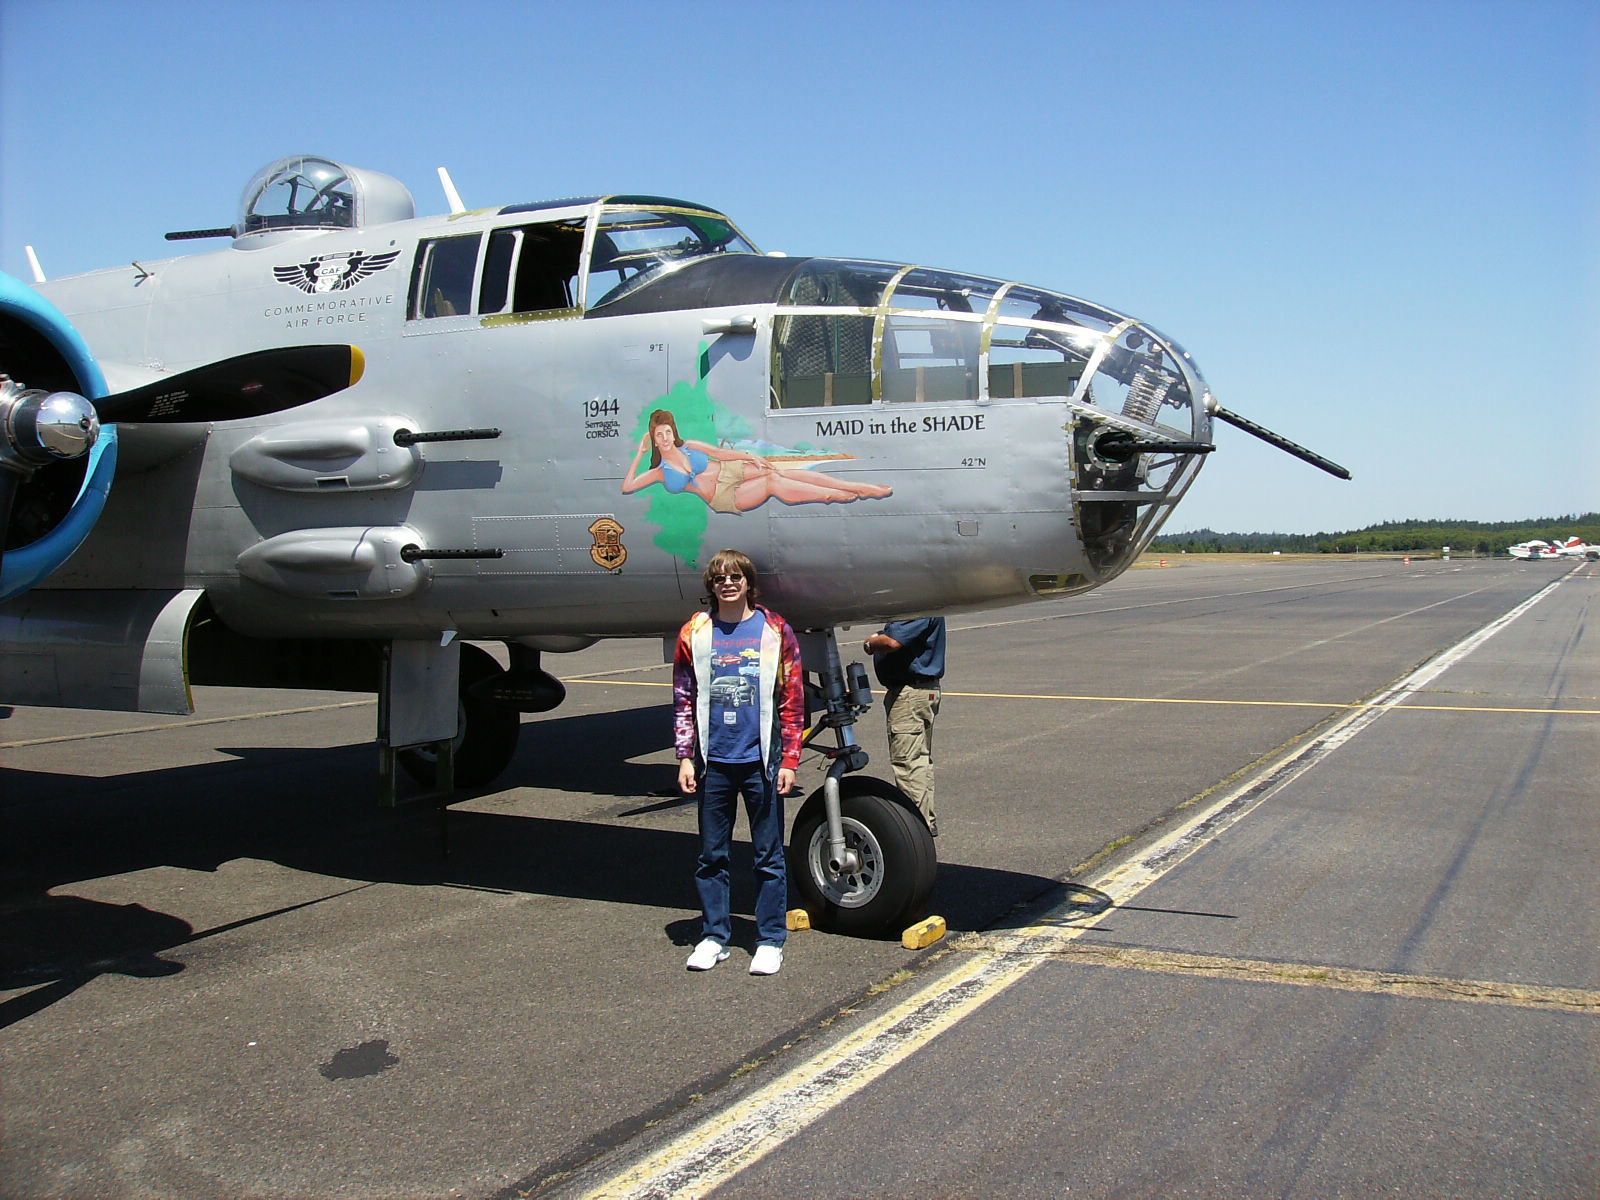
(59, 503)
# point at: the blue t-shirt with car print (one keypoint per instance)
(735, 685)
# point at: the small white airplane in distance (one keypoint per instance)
(1538, 548)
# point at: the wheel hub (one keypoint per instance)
(860, 875)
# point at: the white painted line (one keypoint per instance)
(1134, 876)
(729, 1141)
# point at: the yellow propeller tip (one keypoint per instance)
(358, 365)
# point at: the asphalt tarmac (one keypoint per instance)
(226, 972)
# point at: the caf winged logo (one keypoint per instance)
(334, 272)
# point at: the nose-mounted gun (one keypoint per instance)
(1275, 439)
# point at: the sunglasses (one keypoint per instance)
(715, 579)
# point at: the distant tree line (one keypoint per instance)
(1390, 537)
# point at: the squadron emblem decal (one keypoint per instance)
(608, 550)
(334, 272)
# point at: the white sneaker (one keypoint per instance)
(706, 955)
(768, 960)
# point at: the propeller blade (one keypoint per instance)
(1281, 442)
(251, 385)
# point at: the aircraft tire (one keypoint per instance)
(486, 737)
(900, 865)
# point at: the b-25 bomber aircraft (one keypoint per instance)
(566, 407)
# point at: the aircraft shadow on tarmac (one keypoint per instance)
(314, 811)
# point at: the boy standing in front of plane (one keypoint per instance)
(738, 706)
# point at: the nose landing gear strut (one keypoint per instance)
(860, 854)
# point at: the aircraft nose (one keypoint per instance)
(1130, 400)
(859, 333)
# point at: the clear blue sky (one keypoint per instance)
(1375, 225)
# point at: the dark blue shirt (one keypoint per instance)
(921, 652)
(735, 684)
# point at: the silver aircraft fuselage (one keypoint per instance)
(881, 439)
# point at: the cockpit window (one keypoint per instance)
(528, 272)
(837, 283)
(944, 292)
(301, 193)
(934, 357)
(824, 358)
(1042, 341)
(441, 282)
(532, 269)
(634, 246)
(851, 332)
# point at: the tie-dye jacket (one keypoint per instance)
(781, 696)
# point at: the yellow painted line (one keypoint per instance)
(1299, 974)
(105, 733)
(717, 1149)
(1328, 704)
(1325, 705)
(1589, 712)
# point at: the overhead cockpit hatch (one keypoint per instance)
(303, 194)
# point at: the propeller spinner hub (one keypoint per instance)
(38, 427)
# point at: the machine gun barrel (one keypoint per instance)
(1281, 442)
(413, 553)
(1119, 446)
(406, 437)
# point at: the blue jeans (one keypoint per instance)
(719, 792)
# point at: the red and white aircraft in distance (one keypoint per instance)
(1573, 547)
